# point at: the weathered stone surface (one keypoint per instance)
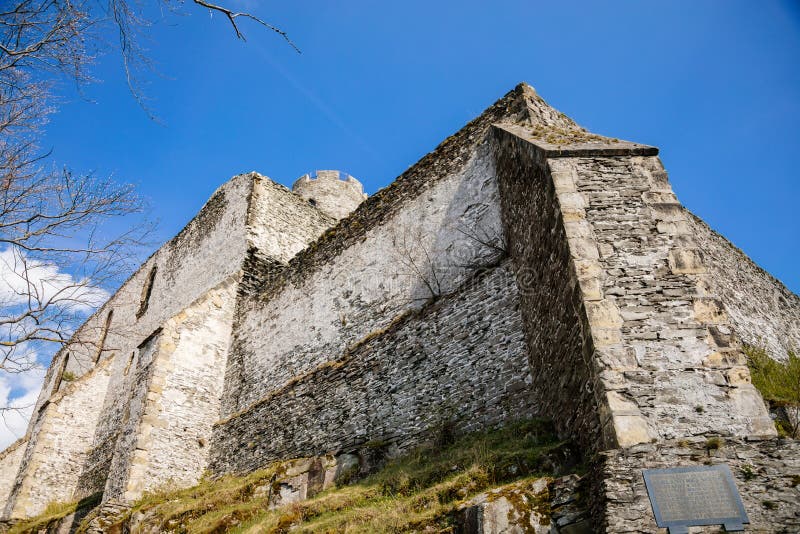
(57, 446)
(10, 461)
(761, 309)
(766, 474)
(526, 267)
(425, 250)
(249, 221)
(460, 360)
(512, 509)
(184, 385)
(333, 194)
(545, 505)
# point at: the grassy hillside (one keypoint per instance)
(418, 492)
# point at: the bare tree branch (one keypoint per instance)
(232, 16)
(59, 257)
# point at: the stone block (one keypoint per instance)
(668, 212)
(677, 227)
(571, 202)
(591, 289)
(709, 311)
(630, 430)
(513, 509)
(606, 337)
(659, 197)
(686, 261)
(738, 376)
(562, 180)
(578, 229)
(603, 314)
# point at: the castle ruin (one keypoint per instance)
(525, 267)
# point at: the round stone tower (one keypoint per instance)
(334, 194)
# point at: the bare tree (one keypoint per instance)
(132, 26)
(60, 255)
(418, 262)
(57, 260)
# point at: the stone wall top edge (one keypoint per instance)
(327, 175)
(608, 148)
(14, 446)
(447, 158)
(788, 292)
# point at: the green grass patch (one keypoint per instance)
(53, 513)
(779, 384)
(418, 491)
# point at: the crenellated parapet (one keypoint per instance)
(334, 193)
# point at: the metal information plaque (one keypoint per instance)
(683, 497)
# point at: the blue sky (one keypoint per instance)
(714, 84)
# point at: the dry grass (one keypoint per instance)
(420, 491)
(54, 512)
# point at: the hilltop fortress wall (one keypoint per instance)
(763, 312)
(524, 268)
(411, 327)
(152, 359)
(104, 355)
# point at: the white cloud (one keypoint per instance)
(22, 276)
(18, 394)
(67, 300)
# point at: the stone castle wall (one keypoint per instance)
(182, 270)
(662, 326)
(10, 461)
(457, 364)
(763, 311)
(423, 250)
(176, 385)
(766, 473)
(557, 332)
(207, 251)
(248, 217)
(660, 344)
(524, 268)
(161, 413)
(57, 446)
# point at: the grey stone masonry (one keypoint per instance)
(331, 193)
(150, 363)
(763, 311)
(657, 358)
(10, 460)
(459, 363)
(767, 474)
(524, 268)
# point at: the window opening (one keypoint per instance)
(103, 336)
(60, 375)
(130, 362)
(147, 289)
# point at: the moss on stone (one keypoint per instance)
(422, 491)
